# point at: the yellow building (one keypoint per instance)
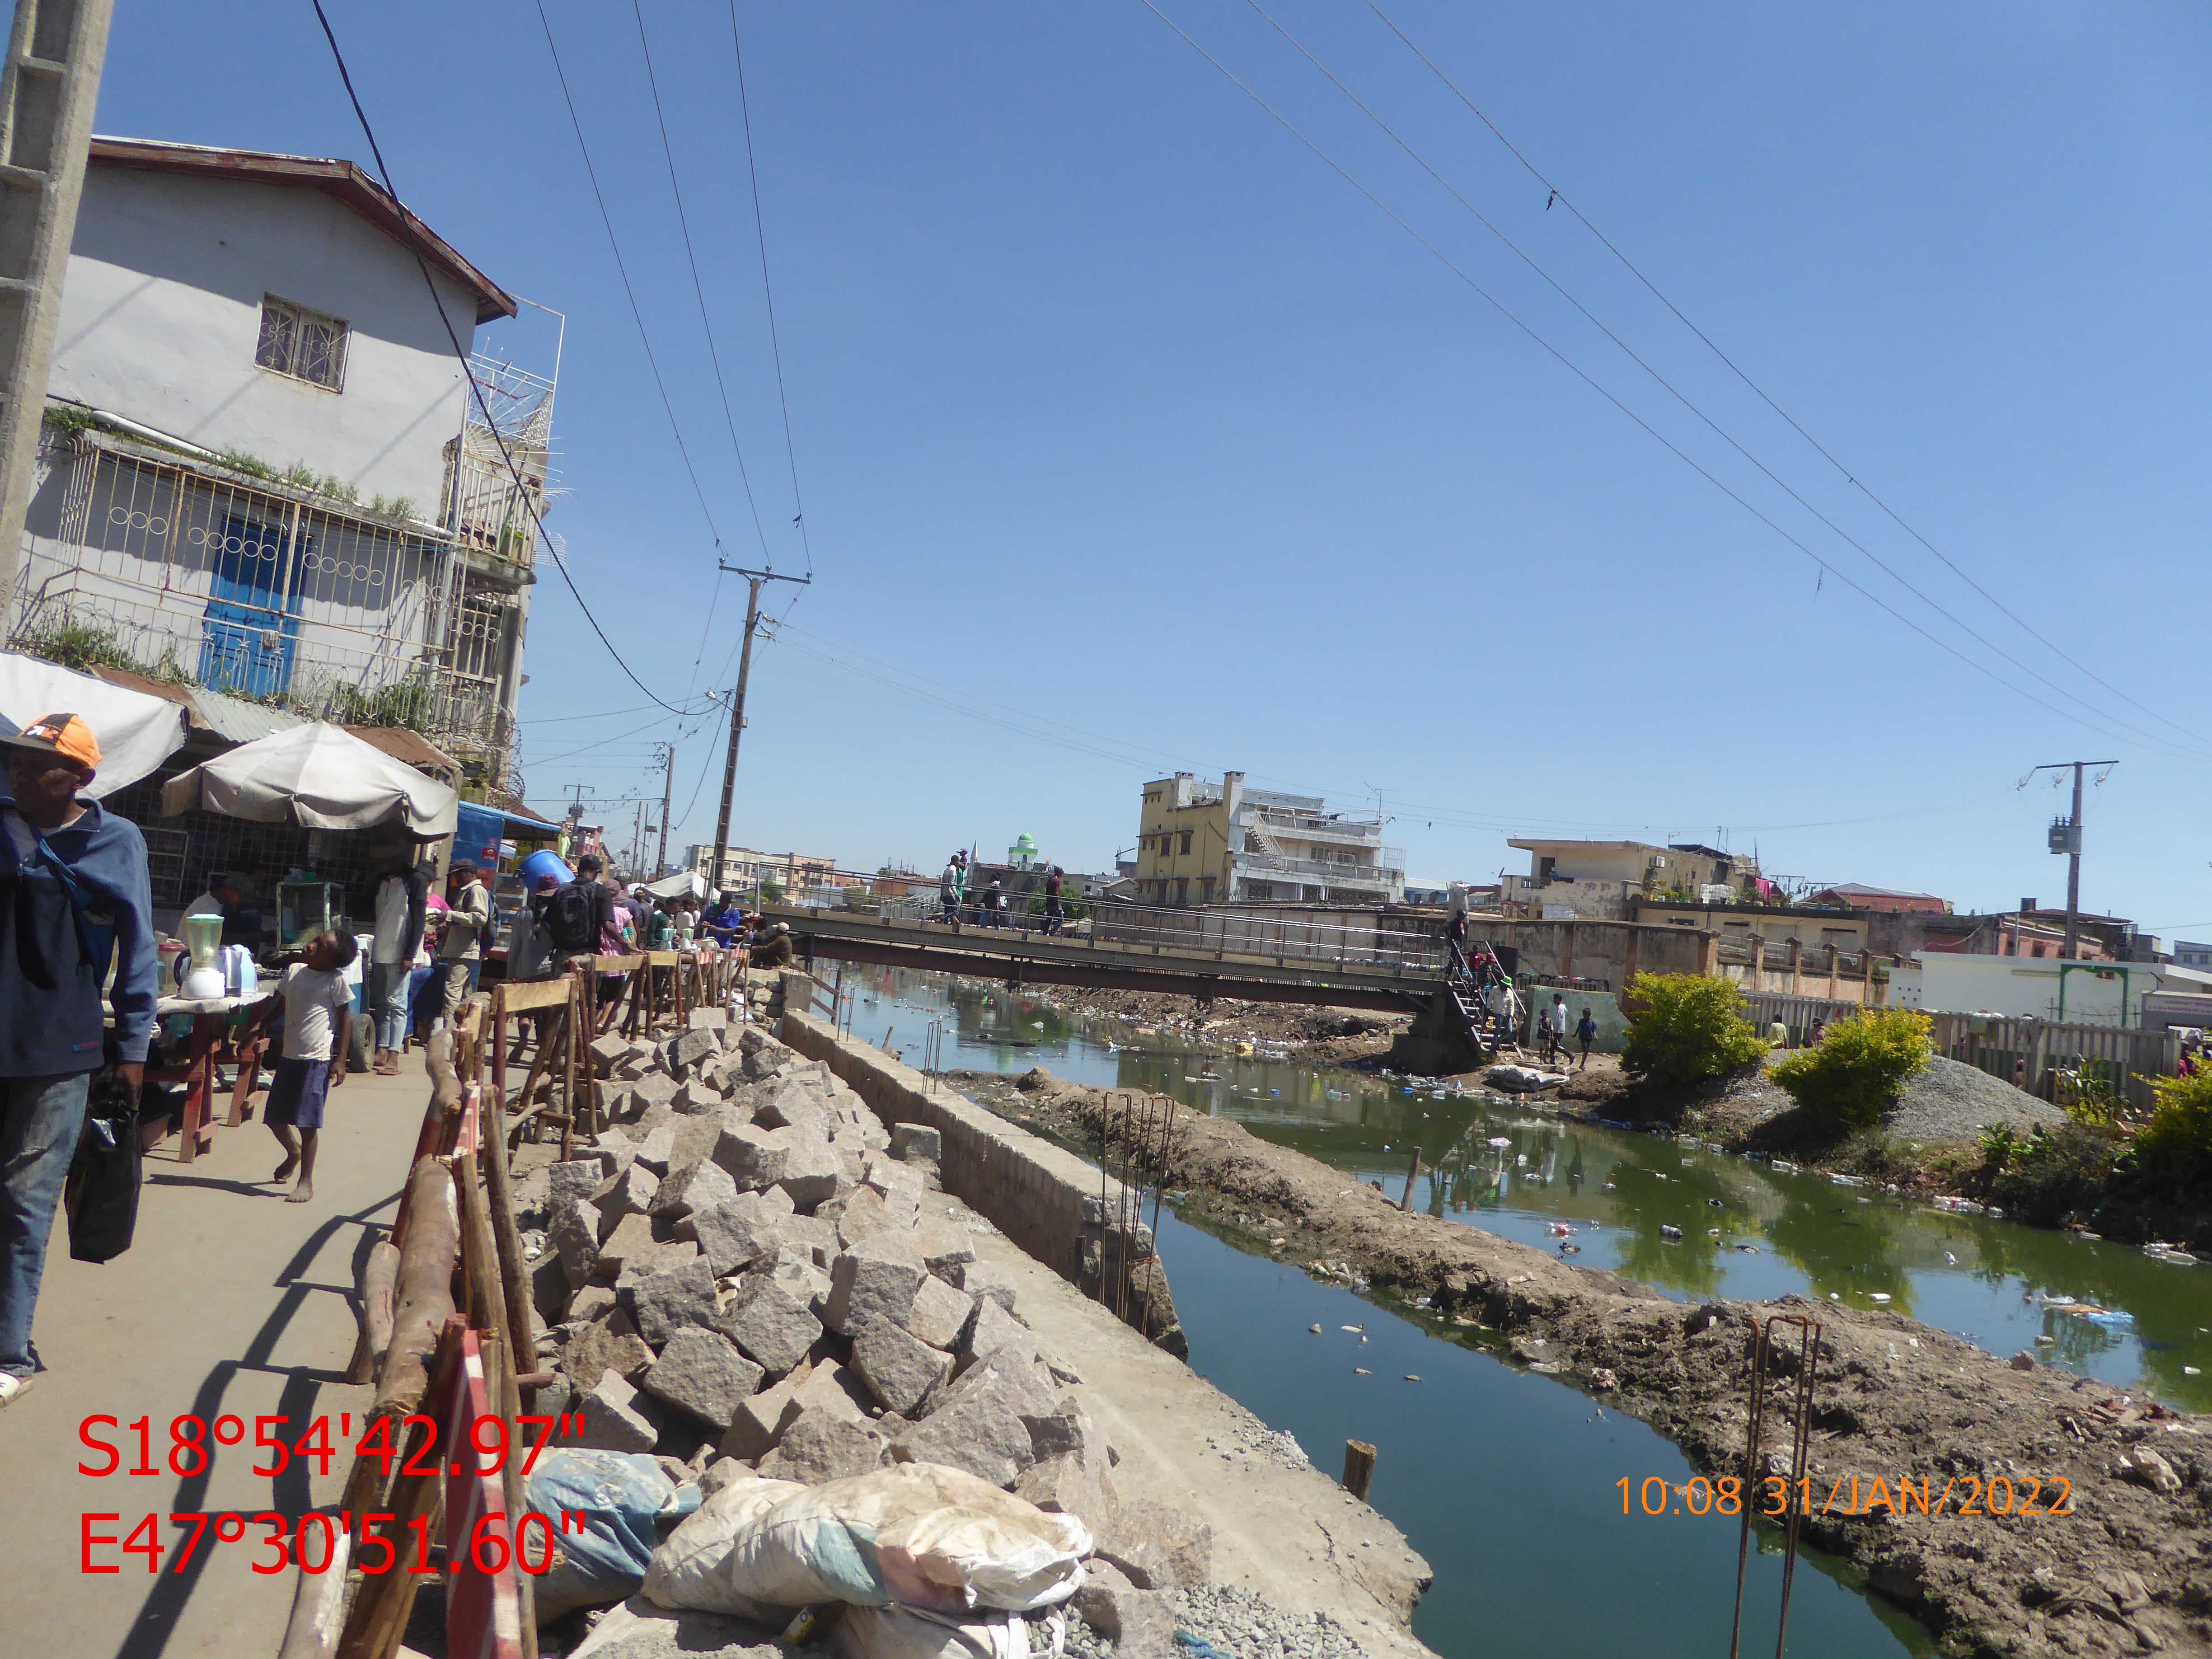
(1182, 839)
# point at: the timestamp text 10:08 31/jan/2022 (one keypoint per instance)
(2028, 1497)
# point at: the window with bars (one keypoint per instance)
(302, 343)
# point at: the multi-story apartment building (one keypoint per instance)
(262, 470)
(744, 869)
(1602, 880)
(1206, 843)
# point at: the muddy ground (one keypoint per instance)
(2125, 1567)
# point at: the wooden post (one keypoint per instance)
(514, 1279)
(1358, 1468)
(1412, 1174)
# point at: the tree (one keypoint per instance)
(1684, 1028)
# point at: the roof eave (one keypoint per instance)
(340, 178)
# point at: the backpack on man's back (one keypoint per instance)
(572, 917)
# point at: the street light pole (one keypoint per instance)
(754, 579)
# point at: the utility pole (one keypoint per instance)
(47, 90)
(2066, 837)
(754, 577)
(667, 786)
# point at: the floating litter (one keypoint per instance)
(1315, 1330)
(1361, 1370)
(1879, 1295)
(1354, 1329)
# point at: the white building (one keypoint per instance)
(2083, 993)
(261, 471)
(1200, 843)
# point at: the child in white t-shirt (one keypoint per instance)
(318, 1032)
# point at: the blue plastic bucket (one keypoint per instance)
(544, 862)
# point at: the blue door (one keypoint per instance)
(252, 622)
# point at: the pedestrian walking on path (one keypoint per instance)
(401, 898)
(1586, 1029)
(1053, 913)
(949, 886)
(577, 913)
(317, 1028)
(79, 896)
(460, 944)
(1558, 1028)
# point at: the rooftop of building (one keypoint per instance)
(342, 180)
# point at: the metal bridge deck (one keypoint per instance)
(1034, 958)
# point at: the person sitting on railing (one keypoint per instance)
(772, 949)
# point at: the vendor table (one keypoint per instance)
(231, 1029)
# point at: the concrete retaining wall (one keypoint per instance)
(1032, 1190)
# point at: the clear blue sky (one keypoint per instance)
(1114, 406)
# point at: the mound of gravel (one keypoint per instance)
(1238, 1625)
(1949, 1100)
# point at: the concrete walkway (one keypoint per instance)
(231, 1301)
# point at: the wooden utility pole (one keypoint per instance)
(2066, 837)
(754, 579)
(47, 90)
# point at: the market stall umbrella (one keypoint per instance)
(136, 732)
(318, 776)
(684, 883)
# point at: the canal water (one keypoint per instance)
(1749, 1230)
(1509, 1481)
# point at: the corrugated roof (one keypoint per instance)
(412, 747)
(339, 179)
(234, 719)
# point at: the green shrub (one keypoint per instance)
(2049, 1177)
(1685, 1028)
(1853, 1075)
(2180, 1127)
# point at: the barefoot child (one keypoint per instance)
(314, 1054)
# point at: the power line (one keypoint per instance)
(1560, 196)
(760, 235)
(1590, 380)
(698, 289)
(615, 246)
(1726, 437)
(409, 221)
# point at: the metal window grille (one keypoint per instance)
(302, 343)
(166, 854)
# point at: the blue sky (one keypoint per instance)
(1128, 424)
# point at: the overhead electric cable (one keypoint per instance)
(1726, 437)
(1556, 194)
(460, 353)
(1584, 375)
(698, 289)
(622, 269)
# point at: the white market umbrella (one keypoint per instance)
(684, 883)
(318, 776)
(135, 731)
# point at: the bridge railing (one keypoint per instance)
(1206, 932)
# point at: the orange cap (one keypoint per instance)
(66, 735)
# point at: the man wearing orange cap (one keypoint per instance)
(74, 895)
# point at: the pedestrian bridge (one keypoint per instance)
(1197, 953)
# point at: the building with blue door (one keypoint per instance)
(264, 471)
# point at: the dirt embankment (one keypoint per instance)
(2129, 1569)
(1327, 1036)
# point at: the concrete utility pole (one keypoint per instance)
(755, 578)
(667, 786)
(47, 90)
(2066, 837)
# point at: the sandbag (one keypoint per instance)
(896, 1632)
(917, 1534)
(685, 1571)
(620, 1495)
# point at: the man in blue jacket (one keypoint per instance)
(74, 893)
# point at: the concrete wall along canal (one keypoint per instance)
(1056, 1206)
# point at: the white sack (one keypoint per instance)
(917, 1534)
(685, 1568)
(896, 1632)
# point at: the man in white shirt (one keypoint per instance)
(400, 898)
(317, 1033)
